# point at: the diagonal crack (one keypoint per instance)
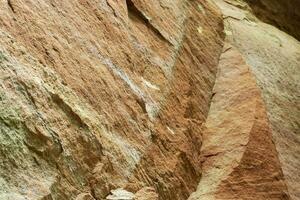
(11, 6)
(134, 11)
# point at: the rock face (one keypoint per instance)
(97, 96)
(146, 100)
(274, 59)
(239, 158)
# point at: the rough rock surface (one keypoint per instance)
(100, 95)
(240, 160)
(274, 59)
(144, 100)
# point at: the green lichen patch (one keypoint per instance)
(2, 57)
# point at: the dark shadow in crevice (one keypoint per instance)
(284, 14)
(136, 15)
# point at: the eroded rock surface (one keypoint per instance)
(141, 100)
(240, 160)
(100, 95)
(274, 59)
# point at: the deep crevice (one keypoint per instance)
(10, 5)
(135, 14)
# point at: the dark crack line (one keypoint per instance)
(11, 6)
(132, 9)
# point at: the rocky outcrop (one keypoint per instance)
(274, 59)
(143, 100)
(240, 160)
(102, 95)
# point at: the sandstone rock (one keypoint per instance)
(146, 193)
(84, 196)
(239, 158)
(99, 95)
(120, 194)
(274, 59)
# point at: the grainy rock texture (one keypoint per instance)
(101, 95)
(274, 59)
(239, 158)
(146, 100)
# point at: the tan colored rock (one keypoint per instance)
(84, 196)
(274, 59)
(96, 96)
(240, 160)
(146, 193)
(99, 95)
(120, 194)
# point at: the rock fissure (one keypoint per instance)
(135, 13)
(10, 5)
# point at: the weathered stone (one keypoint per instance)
(274, 59)
(120, 194)
(146, 193)
(239, 158)
(101, 95)
(85, 196)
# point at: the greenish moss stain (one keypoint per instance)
(11, 134)
(9, 115)
(2, 57)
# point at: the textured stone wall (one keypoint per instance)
(102, 95)
(147, 100)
